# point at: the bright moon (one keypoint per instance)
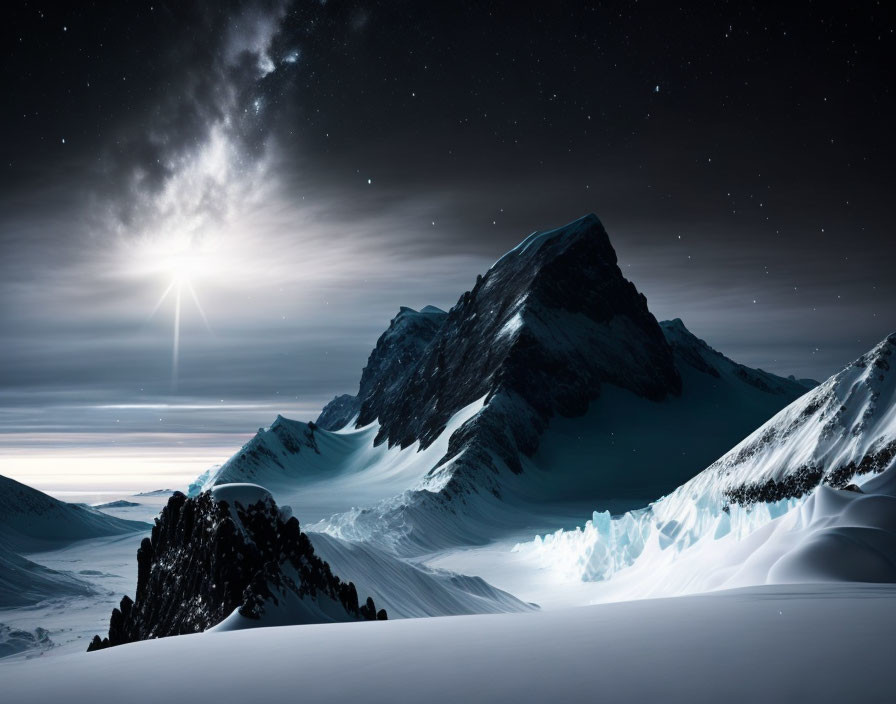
(182, 266)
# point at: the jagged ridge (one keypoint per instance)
(691, 350)
(229, 549)
(545, 324)
(393, 357)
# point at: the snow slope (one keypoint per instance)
(23, 582)
(783, 644)
(626, 446)
(319, 472)
(809, 496)
(31, 521)
(409, 590)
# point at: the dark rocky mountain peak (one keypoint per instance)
(550, 322)
(229, 550)
(395, 354)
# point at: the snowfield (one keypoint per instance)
(818, 643)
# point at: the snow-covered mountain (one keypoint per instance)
(31, 521)
(808, 496)
(229, 558)
(23, 582)
(549, 382)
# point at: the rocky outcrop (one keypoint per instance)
(229, 550)
(339, 412)
(395, 355)
(837, 435)
(801, 480)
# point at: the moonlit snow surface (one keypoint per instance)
(830, 643)
(341, 470)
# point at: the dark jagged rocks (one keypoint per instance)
(396, 353)
(207, 558)
(829, 407)
(339, 412)
(550, 322)
(802, 480)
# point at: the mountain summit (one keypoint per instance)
(550, 322)
(549, 381)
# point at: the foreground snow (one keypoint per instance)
(814, 643)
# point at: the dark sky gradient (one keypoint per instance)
(329, 162)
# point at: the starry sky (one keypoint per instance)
(293, 172)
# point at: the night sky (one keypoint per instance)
(302, 169)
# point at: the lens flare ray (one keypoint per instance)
(181, 269)
(176, 349)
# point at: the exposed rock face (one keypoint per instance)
(228, 549)
(538, 335)
(548, 324)
(339, 412)
(396, 353)
(801, 480)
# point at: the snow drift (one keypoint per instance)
(774, 644)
